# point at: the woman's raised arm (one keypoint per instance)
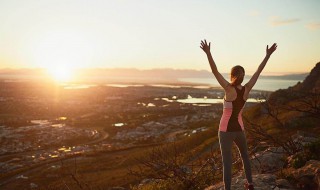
(206, 48)
(256, 75)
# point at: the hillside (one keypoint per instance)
(311, 84)
(286, 132)
(278, 161)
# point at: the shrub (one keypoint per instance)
(310, 152)
(299, 160)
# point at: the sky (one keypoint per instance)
(147, 34)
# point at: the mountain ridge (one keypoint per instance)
(150, 73)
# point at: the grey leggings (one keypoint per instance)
(226, 139)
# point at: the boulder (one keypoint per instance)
(308, 140)
(260, 181)
(33, 186)
(302, 140)
(309, 175)
(269, 160)
(148, 181)
(283, 184)
(312, 167)
(117, 188)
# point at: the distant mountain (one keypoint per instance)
(137, 73)
(286, 77)
(22, 71)
(150, 73)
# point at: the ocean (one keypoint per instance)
(262, 83)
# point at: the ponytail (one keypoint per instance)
(235, 76)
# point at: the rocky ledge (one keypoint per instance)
(266, 164)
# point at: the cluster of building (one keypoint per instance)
(24, 146)
(167, 129)
(40, 135)
(35, 157)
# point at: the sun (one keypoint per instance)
(60, 73)
(61, 52)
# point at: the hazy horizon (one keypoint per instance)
(136, 76)
(150, 69)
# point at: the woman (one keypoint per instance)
(231, 128)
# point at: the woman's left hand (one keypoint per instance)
(205, 47)
(271, 49)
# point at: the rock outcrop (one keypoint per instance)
(310, 84)
(312, 81)
(261, 182)
(269, 160)
(266, 163)
(309, 175)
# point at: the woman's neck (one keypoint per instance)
(239, 86)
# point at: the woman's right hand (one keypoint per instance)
(270, 50)
(205, 47)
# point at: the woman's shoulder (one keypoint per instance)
(229, 87)
(229, 90)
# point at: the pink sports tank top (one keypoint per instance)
(231, 119)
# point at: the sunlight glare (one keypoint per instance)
(60, 73)
(61, 50)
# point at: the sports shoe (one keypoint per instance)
(248, 186)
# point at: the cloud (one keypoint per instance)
(276, 21)
(313, 26)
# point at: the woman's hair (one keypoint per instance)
(235, 75)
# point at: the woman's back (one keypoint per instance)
(231, 119)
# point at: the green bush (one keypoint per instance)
(310, 152)
(299, 160)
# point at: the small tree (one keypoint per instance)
(307, 103)
(179, 168)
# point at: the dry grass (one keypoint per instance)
(105, 169)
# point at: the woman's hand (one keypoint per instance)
(270, 50)
(256, 75)
(205, 47)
